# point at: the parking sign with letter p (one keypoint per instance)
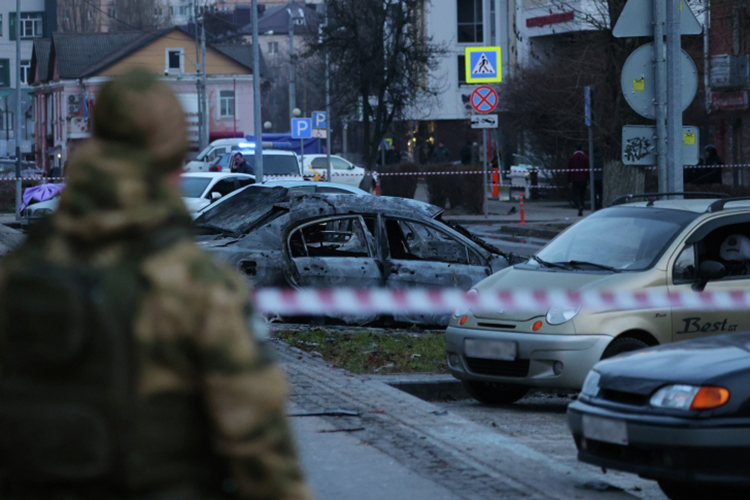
(301, 128)
(319, 119)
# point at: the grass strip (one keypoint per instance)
(368, 352)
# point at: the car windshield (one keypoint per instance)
(193, 187)
(275, 164)
(240, 212)
(622, 239)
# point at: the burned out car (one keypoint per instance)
(284, 239)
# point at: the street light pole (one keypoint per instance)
(292, 87)
(660, 76)
(258, 131)
(17, 135)
(674, 98)
(328, 106)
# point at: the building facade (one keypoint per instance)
(70, 68)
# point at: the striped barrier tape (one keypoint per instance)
(400, 174)
(343, 301)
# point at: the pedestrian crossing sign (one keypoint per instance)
(483, 65)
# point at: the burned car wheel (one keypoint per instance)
(493, 393)
(681, 490)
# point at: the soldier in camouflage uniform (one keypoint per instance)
(114, 282)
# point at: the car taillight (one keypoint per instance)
(215, 168)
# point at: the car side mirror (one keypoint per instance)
(215, 195)
(709, 270)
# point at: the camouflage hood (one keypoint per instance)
(112, 191)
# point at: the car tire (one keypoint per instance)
(621, 345)
(493, 393)
(684, 490)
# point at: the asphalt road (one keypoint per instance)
(539, 422)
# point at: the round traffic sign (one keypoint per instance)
(483, 99)
(639, 84)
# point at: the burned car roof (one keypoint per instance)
(244, 210)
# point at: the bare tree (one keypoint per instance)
(135, 14)
(80, 16)
(379, 59)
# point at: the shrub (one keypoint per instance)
(403, 186)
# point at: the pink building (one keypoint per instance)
(70, 68)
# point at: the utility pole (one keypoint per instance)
(258, 130)
(674, 98)
(328, 106)
(204, 104)
(19, 194)
(292, 87)
(198, 77)
(660, 75)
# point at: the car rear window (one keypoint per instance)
(193, 187)
(243, 210)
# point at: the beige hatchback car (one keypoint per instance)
(675, 245)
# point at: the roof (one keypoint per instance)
(78, 55)
(40, 57)
(75, 53)
(276, 19)
(242, 54)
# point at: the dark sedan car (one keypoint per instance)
(278, 238)
(679, 414)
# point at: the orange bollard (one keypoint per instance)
(377, 187)
(523, 214)
(495, 183)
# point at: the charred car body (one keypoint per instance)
(278, 238)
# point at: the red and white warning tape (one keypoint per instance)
(312, 301)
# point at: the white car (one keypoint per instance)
(342, 171)
(208, 156)
(276, 162)
(203, 188)
(39, 209)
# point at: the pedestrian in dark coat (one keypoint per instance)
(578, 176)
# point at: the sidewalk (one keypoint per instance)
(405, 448)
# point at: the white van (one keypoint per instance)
(208, 156)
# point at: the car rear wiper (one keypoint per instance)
(559, 265)
(581, 263)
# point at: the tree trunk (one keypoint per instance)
(622, 179)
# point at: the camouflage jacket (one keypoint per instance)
(193, 331)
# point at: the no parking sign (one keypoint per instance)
(483, 99)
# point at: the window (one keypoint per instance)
(728, 245)
(273, 47)
(462, 70)
(26, 72)
(409, 240)
(32, 24)
(1, 25)
(343, 237)
(175, 60)
(684, 267)
(470, 26)
(171, 10)
(339, 164)
(223, 187)
(226, 103)
(112, 13)
(4, 72)
(183, 10)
